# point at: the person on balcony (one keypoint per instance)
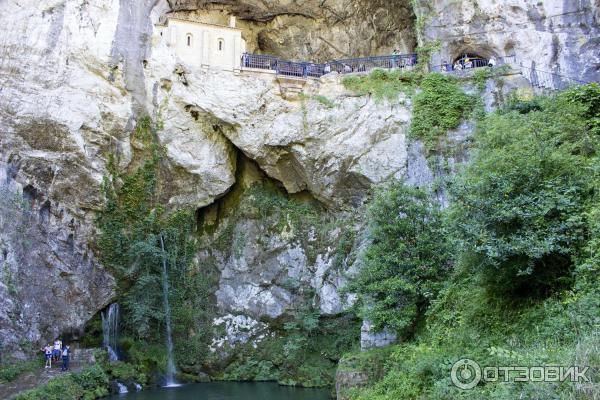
(492, 62)
(468, 63)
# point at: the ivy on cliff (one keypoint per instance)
(384, 85)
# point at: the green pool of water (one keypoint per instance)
(228, 391)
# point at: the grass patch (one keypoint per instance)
(10, 372)
(324, 101)
(384, 85)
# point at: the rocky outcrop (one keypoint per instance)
(371, 339)
(360, 370)
(557, 36)
(271, 264)
(329, 142)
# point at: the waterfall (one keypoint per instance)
(122, 388)
(170, 363)
(110, 330)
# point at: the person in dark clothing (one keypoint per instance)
(66, 354)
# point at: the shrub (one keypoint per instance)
(383, 85)
(89, 384)
(440, 106)
(10, 372)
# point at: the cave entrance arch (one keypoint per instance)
(469, 60)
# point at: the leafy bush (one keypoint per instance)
(124, 371)
(440, 106)
(518, 209)
(406, 261)
(89, 384)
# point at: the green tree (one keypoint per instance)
(406, 260)
(518, 208)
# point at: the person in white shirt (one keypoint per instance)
(56, 353)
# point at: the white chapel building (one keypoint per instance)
(204, 45)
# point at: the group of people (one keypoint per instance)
(57, 352)
(468, 63)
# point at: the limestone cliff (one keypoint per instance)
(76, 75)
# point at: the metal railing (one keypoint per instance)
(303, 70)
(548, 80)
(314, 70)
(366, 64)
(472, 64)
(259, 61)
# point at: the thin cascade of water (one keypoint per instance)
(122, 388)
(170, 376)
(110, 330)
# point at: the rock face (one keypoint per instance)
(334, 148)
(75, 76)
(51, 282)
(315, 30)
(557, 36)
(369, 339)
(271, 264)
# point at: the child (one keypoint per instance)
(65, 358)
(48, 353)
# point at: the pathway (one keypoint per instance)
(31, 380)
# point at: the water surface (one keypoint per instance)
(228, 391)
